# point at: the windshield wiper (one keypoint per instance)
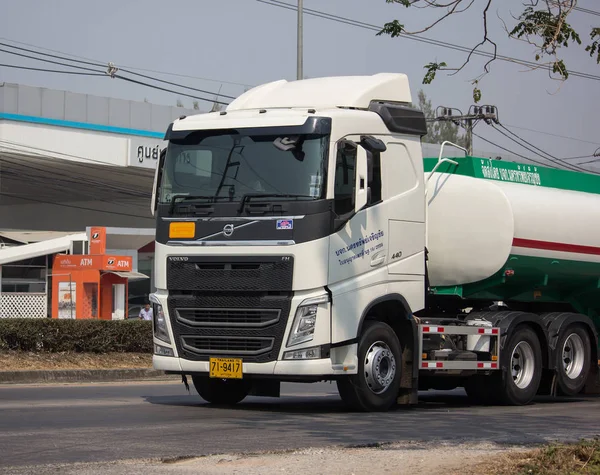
(248, 196)
(181, 198)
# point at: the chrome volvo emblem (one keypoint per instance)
(228, 230)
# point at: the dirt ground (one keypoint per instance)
(409, 459)
(21, 360)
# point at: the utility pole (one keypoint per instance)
(469, 135)
(468, 121)
(299, 68)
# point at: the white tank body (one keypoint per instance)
(475, 224)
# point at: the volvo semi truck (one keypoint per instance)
(301, 236)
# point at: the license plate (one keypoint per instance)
(226, 368)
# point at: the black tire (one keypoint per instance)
(503, 385)
(221, 391)
(362, 391)
(576, 341)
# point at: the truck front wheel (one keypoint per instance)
(375, 386)
(221, 391)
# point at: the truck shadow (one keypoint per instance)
(330, 403)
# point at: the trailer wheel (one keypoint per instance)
(522, 361)
(221, 391)
(573, 359)
(376, 385)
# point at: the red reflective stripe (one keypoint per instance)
(439, 365)
(556, 246)
(440, 329)
(425, 365)
(480, 365)
(481, 330)
(495, 331)
(425, 329)
(494, 365)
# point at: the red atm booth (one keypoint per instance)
(93, 285)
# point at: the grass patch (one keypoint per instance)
(582, 458)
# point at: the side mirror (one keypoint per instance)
(157, 177)
(360, 189)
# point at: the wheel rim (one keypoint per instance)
(380, 367)
(522, 364)
(573, 356)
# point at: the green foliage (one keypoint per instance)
(439, 131)
(392, 28)
(406, 3)
(432, 69)
(553, 31)
(476, 94)
(546, 28)
(82, 336)
(594, 47)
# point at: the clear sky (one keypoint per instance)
(245, 42)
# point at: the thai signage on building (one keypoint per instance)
(144, 153)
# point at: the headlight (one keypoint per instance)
(303, 328)
(160, 323)
(312, 353)
(160, 350)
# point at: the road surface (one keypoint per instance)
(44, 424)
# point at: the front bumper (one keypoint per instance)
(297, 369)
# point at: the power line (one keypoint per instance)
(49, 61)
(421, 39)
(104, 65)
(552, 158)
(118, 76)
(509, 151)
(586, 10)
(533, 149)
(73, 206)
(552, 134)
(132, 67)
(537, 162)
(77, 73)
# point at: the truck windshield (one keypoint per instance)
(227, 167)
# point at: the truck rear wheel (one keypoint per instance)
(573, 354)
(376, 385)
(221, 391)
(522, 359)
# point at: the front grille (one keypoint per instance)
(234, 274)
(222, 345)
(246, 325)
(229, 317)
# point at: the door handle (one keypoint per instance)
(377, 259)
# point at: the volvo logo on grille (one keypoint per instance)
(178, 258)
(228, 230)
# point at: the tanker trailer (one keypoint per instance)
(527, 237)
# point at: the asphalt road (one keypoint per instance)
(43, 424)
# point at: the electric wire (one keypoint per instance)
(118, 76)
(84, 208)
(105, 65)
(165, 73)
(77, 73)
(537, 151)
(421, 39)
